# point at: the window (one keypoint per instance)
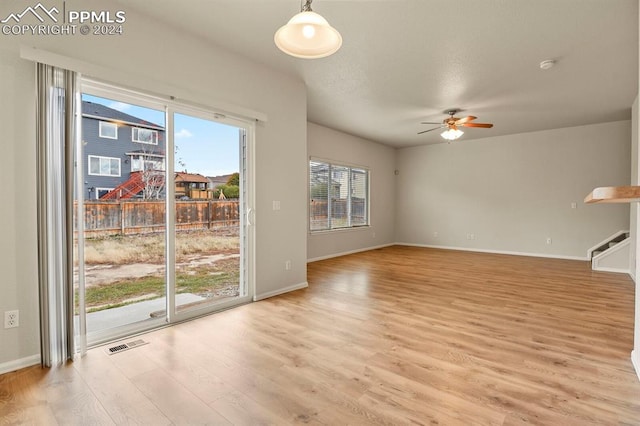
(101, 192)
(141, 162)
(144, 136)
(108, 130)
(338, 196)
(104, 166)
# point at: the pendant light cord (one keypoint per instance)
(307, 6)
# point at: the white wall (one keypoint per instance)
(635, 219)
(513, 192)
(18, 255)
(336, 146)
(153, 57)
(635, 241)
(633, 215)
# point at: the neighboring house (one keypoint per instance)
(116, 146)
(319, 181)
(193, 186)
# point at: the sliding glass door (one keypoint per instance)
(209, 226)
(162, 196)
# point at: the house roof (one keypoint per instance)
(219, 180)
(190, 177)
(99, 111)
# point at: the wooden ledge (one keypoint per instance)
(614, 194)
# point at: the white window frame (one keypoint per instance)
(98, 189)
(135, 139)
(134, 160)
(144, 159)
(103, 124)
(103, 158)
(350, 226)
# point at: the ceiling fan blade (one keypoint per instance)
(431, 122)
(430, 130)
(466, 119)
(483, 125)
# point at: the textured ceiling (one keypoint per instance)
(406, 61)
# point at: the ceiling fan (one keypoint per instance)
(452, 123)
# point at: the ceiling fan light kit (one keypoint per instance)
(452, 134)
(308, 35)
(452, 123)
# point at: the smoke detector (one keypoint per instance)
(549, 63)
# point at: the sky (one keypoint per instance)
(202, 146)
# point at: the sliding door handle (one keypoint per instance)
(249, 211)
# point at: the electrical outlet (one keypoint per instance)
(11, 319)
(549, 241)
(287, 265)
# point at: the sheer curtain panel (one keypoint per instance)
(57, 127)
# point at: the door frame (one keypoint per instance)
(247, 201)
(247, 213)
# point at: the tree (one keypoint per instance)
(154, 184)
(234, 180)
(152, 171)
(230, 191)
(179, 160)
(319, 190)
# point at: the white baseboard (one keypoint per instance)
(617, 270)
(635, 360)
(513, 253)
(280, 291)
(344, 253)
(17, 364)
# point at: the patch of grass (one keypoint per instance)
(150, 248)
(205, 243)
(203, 284)
(203, 281)
(115, 294)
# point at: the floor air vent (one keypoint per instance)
(125, 346)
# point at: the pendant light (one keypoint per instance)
(308, 35)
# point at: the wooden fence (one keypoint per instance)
(129, 217)
(319, 210)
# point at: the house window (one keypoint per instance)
(144, 136)
(104, 166)
(137, 164)
(140, 163)
(108, 130)
(101, 192)
(338, 196)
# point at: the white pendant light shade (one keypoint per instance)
(308, 35)
(452, 134)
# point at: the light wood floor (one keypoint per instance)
(393, 336)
